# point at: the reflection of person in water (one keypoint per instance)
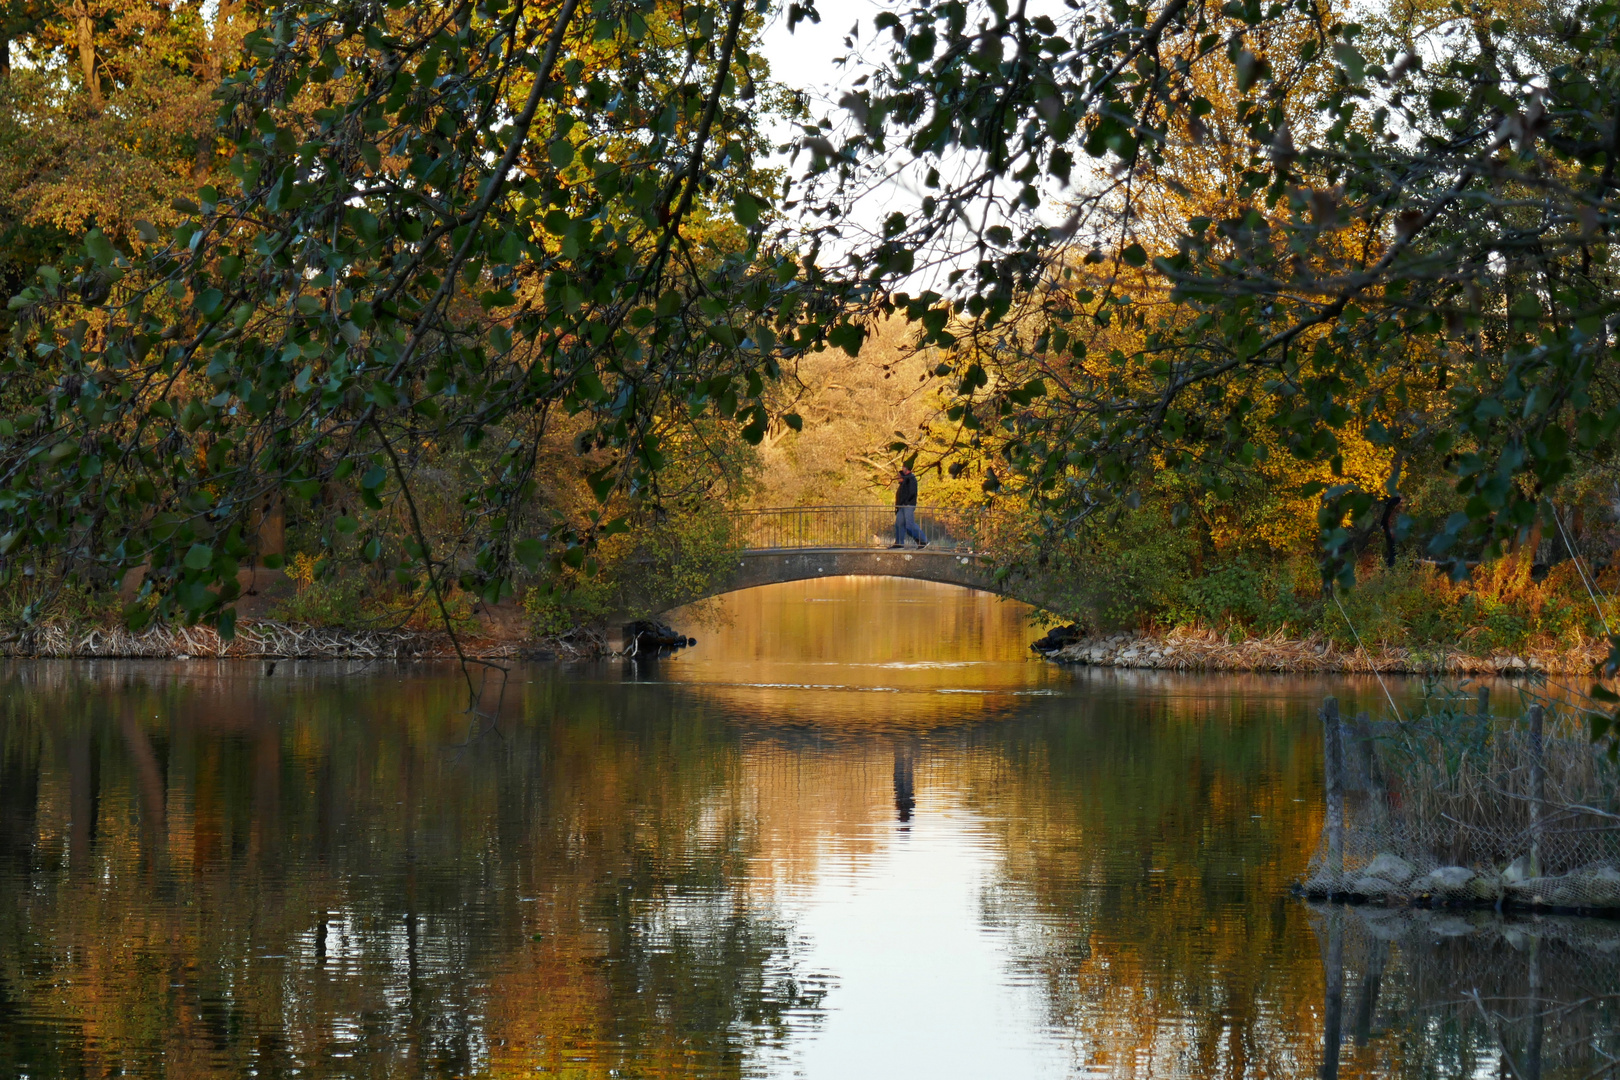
(904, 785)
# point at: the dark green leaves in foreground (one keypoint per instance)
(451, 232)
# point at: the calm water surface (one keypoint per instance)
(856, 832)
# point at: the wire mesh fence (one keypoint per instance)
(1459, 807)
(787, 527)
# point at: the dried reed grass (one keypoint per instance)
(1460, 791)
(1206, 650)
(254, 640)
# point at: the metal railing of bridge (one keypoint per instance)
(782, 527)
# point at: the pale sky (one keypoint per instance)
(806, 60)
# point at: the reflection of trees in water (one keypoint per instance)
(1147, 842)
(311, 875)
(221, 874)
(1468, 993)
(1146, 837)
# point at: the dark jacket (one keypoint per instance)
(906, 493)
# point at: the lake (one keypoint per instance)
(856, 831)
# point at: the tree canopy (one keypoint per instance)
(441, 225)
(1157, 245)
(1288, 231)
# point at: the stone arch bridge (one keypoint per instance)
(785, 544)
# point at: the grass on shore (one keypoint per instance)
(1500, 608)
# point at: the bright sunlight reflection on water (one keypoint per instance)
(856, 832)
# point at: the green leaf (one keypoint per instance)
(1444, 99)
(136, 616)
(100, 248)
(746, 210)
(589, 385)
(200, 557)
(1134, 255)
(208, 301)
(529, 552)
(847, 336)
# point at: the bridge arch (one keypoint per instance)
(802, 543)
(780, 565)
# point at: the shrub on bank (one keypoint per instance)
(1143, 574)
(634, 574)
(1500, 607)
(31, 600)
(324, 597)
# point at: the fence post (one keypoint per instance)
(1538, 1020)
(1333, 777)
(1372, 979)
(1538, 788)
(1333, 993)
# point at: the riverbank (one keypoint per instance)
(271, 640)
(1206, 650)
(1178, 650)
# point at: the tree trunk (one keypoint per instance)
(1525, 550)
(269, 526)
(5, 58)
(212, 70)
(87, 53)
(1388, 524)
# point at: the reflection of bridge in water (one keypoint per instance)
(797, 543)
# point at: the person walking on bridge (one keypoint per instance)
(905, 510)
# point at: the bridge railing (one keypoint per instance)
(782, 527)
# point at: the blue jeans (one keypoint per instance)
(905, 524)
